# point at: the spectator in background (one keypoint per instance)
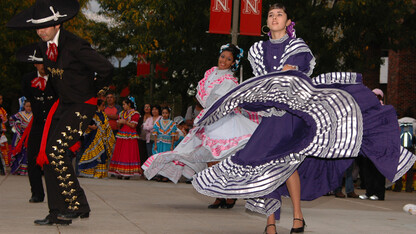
(349, 185)
(407, 136)
(192, 112)
(165, 131)
(148, 128)
(4, 146)
(126, 157)
(380, 95)
(101, 96)
(146, 113)
(37, 88)
(97, 146)
(374, 181)
(112, 110)
(19, 122)
(182, 129)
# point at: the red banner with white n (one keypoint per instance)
(220, 16)
(250, 17)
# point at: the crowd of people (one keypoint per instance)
(273, 135)
(118, 140)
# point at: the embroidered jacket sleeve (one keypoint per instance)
(255, 57)
(208, 94)
(298, 54)
(202, 92)
(220, 88)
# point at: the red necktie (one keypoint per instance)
(52, 52)
(39, 82)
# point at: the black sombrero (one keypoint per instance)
(30, 54)
(45, 13)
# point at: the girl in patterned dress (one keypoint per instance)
(126, 158)
(165, 131)
(209, 143)
(98, 145)
(311, 130)
(19, 122)
(4, 146)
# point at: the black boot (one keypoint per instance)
(218, 202)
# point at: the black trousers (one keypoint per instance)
(375, 182)
(65, 194)
(143, 151)
(34, 170)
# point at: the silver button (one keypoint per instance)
(274, 67)
(275, 57)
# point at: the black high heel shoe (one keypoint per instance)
(299, 229)
(268, 225)
(228, 205)
(218, 202)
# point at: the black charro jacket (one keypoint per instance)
(79, 71)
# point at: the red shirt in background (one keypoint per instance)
(111, 111)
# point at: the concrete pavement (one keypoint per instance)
(141, 206)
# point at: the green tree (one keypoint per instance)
(369, 27)
(343, 35)
(172, 33)
(10, 41)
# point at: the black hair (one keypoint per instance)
(166, 108)
(157, 107)
(142, 109)
(110, 92)
(234, 50)
(99, 102)
(130, 103)
(280, 6)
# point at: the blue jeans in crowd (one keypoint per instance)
(349, 183)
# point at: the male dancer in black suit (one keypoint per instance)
(72, 65)
(39, 92)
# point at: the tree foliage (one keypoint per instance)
(343, 35)
(340, 34)
(372, 25)
(172, 33)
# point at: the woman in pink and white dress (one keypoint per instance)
(210, 143)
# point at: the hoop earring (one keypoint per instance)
(263, 31)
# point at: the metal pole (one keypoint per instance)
(234, 29)
(241, 73)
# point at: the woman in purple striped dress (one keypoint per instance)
(307, 123)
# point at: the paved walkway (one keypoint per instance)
(141, 206)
